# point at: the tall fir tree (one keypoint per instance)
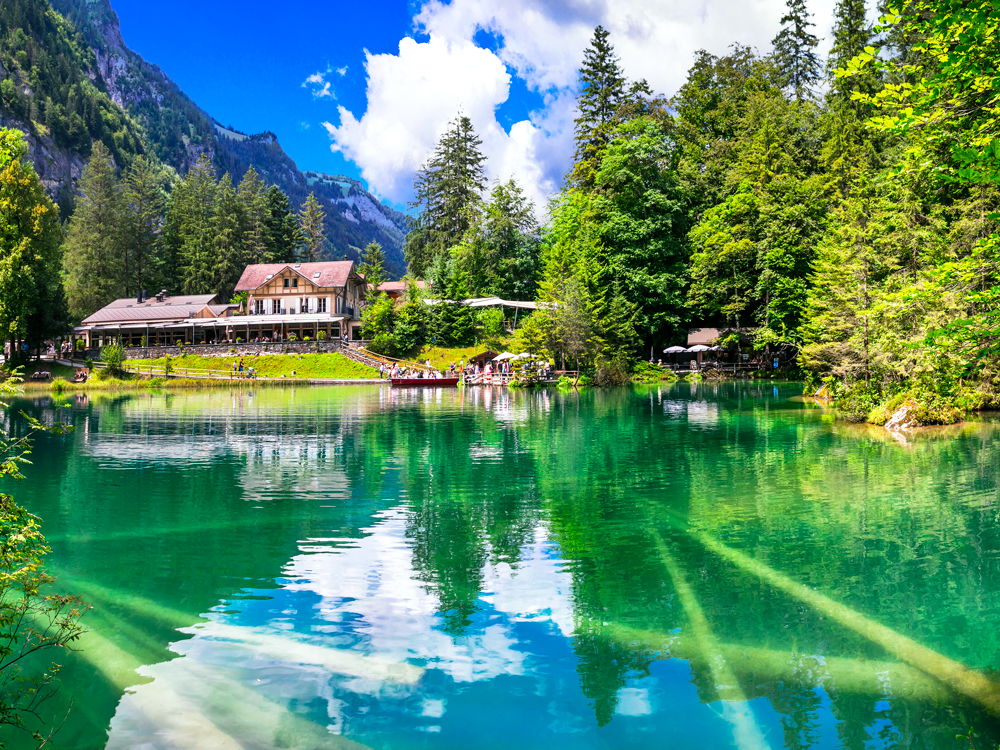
(94, 261)
(197, 257)
(143, 220)
(312, 228)
(229, 242)
(602, 91)
(253, 195)
(795, 51)
(446, 191)
(373, 268)
(283, 235)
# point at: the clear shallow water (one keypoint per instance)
(348, 567)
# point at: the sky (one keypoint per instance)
(367, 88)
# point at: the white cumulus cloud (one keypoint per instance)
(412, 95)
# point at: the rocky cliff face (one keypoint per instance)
(58, 168)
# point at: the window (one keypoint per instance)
(321, 305)
(295, 283)
(276, 306)
(286, 282)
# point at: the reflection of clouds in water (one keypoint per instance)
(537, 590)
(633, 702)
(237, 681)
(374, 586)
(702, 413)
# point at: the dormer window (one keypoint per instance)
(286, 283)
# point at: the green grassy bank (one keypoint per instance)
(326, 366)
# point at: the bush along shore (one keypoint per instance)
(933, 400)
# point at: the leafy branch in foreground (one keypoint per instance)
(31, 621)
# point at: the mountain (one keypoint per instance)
(67, 77)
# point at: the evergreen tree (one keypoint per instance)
(143, 219)
(197, 256)
(253, 195)
(373, 268)
(311, 218)
(95, 265)
(283, 236)
(447, 190)
(602, 91)
(795, 50)
(31, 302)
(230, 246)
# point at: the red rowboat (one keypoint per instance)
(424, 382)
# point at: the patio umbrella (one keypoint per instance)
(502, 357)
(674, 350)
(715, 348)
(525, 355)
(698, 348)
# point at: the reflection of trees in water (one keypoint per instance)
(905, 535)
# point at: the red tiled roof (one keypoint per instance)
(331, 273)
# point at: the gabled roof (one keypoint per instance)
(399, 286)
(332, 273)
(171, 308)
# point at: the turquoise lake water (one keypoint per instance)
(690, 566)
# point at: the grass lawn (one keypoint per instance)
(333, 366)
(441, 357)
(58, 371)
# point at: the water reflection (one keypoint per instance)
(318, 567)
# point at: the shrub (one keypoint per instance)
(144, 341)
(60, 384)
(383, 344)
(79, 345)
(239, 339)
(321, 336)
(113, 355)
(306, 338)
(89, 363)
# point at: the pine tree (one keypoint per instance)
(283, 236)
(373, 267)
(197, 256)
(446, 189)
(230, 245)
(95, 267)
(311, 226)
(143, 220)
(602, 91)
(795, 50)
(253, 196)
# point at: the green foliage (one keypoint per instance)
(32, 307)
(372, 267)
(113, 355)
(32, 621)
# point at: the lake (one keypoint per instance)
(686, 566)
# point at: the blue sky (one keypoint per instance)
(366, 89)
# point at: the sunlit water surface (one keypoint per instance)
(362, 567)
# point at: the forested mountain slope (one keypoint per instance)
(67, 77)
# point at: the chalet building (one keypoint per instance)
(302, 298)
(283, 299)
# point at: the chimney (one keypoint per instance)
(138, 297)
